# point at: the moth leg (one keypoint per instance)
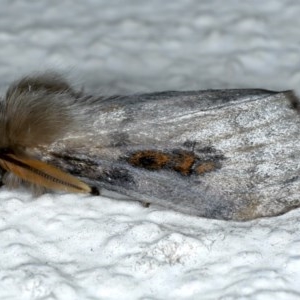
(94, 191)
(2, 173)
(294, 101)
(11, 181)
(35, 189)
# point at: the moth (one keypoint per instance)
(221, 154)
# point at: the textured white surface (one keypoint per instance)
(71, 247)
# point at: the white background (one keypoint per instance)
(72, 247)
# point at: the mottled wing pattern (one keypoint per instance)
(225, 154)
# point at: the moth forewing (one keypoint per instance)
(222, 154)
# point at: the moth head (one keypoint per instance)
(36, 110)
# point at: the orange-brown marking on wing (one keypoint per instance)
(42, 174)
(184, 162)
(149, 159)
(181, 161)
(205, 167)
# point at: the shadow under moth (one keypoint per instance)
(221, 154)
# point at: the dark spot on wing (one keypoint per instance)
(93, 169)
(207, 150)
(195, 147)
(149, 159)
(117, 176)
(190, 144)
(74, 165)
(119, 139)
(291, 180)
